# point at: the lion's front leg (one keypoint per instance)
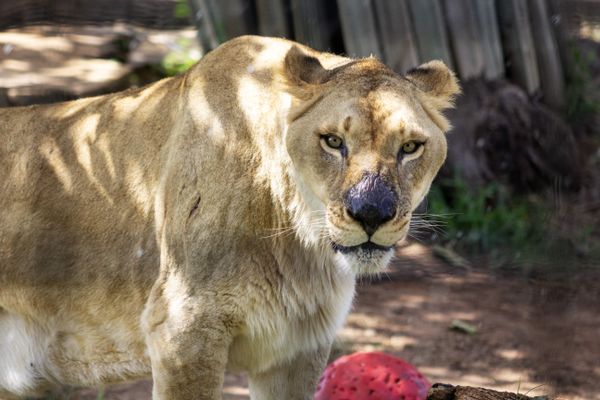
(188, 366)
(188, 342)
(295, 380)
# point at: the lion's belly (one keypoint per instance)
(35, 355)
(23, 352)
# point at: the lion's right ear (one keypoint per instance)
(304, 69)
(437, 81)
(438, 87)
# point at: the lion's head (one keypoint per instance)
(366, 144)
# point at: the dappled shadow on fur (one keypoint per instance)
(105, 160)
(84, 161)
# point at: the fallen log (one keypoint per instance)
(440, 391)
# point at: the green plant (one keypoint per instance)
(180, 59)
(582, 100)
(182, 9)
(100, 395)
(176, 63)
(483, 218)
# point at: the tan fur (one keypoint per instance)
(184, 228)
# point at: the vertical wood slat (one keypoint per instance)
(311, 26)
(213, 13)
(485, 12)
(358, 28)
(395, 30)
(549, 63)
(207, 35)
(430, 31)
(272, 18)
(233, 17)
(465, 38)
(563, 41)
(518, 44)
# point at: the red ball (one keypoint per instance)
(371, 376)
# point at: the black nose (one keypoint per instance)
(372, 202)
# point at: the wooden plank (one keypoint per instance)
(491, 43)
(549, 63)
(311, 24)
(204, 22)
(233, 17)
(448, 392)
(430, 31)
(519, 48)
(395, 31)
(465, 37)
(273, 18)
(358, 28)
(157, 14)
(563, 39)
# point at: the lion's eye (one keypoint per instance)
(333, 141)
(410, 147)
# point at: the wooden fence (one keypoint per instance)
(523, 40)
(158, 14)
(518, 39)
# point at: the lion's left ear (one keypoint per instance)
(439, 87)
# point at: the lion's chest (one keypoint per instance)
(278, 333)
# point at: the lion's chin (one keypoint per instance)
(364, 259)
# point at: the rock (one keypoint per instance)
(501, 135)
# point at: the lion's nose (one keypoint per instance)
(372, 202)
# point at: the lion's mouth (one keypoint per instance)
(366, 246)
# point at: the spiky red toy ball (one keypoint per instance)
(371, 376)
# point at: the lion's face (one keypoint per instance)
(366, 150)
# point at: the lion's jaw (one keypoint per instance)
(359, 252)
(364, 260)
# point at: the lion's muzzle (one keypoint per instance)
(371, 202)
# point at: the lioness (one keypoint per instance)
(215, 220)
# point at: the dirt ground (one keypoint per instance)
(539, 336)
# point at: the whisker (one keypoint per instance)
(281, 234)
(283, 228)
(426, 214)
